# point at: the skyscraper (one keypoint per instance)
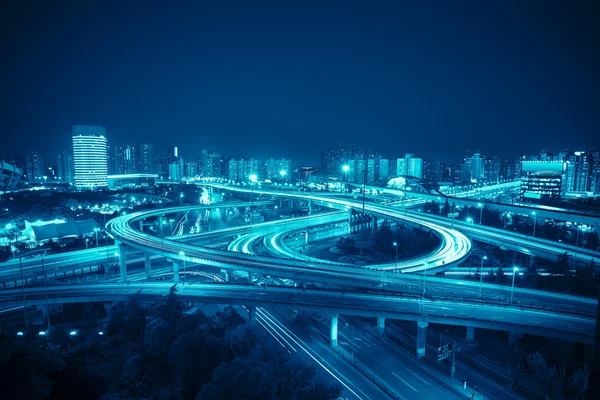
(65, 167)
(35, 167)
(90, 157)
(146, 157)
(473, 168)
(333, 159)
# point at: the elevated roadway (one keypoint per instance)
(552, 324)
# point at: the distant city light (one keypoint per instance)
(100, 333)
(73, 333)
(282, 173)
(346, 168)
(253, 177)
(19, 333)
(42, 333)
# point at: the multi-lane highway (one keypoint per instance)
(546, 323)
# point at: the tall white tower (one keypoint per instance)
(90, 157)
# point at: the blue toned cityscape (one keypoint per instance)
(300, 201)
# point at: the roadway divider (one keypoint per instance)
(366, 372)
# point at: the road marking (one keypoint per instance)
(497, 317)
(423, 380)
(534, 322)
(406, 383)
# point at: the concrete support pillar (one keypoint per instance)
(334, 331)
(380, 325)
(249, 277)
(514, 336)
(108, 307)
(470, 337)
(141, 225)
(309, 207)
(421, 338)
(148, 265)
(251, 313)
(176, 270)
(123, 262)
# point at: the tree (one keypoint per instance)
(346, 245)
(592, 241)
(550, 380)
(514, 363)
(577, 383)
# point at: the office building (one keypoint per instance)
(272, 169)
(191, 169)
(176, 169)
(65, 173)
(145, 154)
(542, 180)
(90, 158)
(492, 170)
(334, 158)
(473, 168)
(410, 166)
(579, 169)
(384, 168)
(35, 167)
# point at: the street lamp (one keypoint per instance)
(86, 243)
(481, 274)
(96, 230)
(182, 254)
(180, 199)
(346, 168)
(253, 178)
(352, 344)
(396, 246)
(480, 212)
(515, 269)
(171, 220)
(534, 221)
(283, 173)
(471, 221)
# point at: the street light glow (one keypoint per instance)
(515, 269)
(395, 244)
(73, 333)
(253, 177)
(282, 173)
(346, 168)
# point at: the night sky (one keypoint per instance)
(286, 79)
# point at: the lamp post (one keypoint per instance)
(471, 221)
(86, 243)
(396, 246)
(283, 173)
(23, 290)
(96, 230)
(180, 199)
(46, 293)
(253, 178)
(182, 254)
(480, 212)
(481, 274)
(515, 269)
(171, 220)
(534, 221)
(346, 168)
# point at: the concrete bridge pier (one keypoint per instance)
(226, 273)
(334, 330)
(123, 262)
(380, 326)
(176, 270)
(470, 336)
(251, 313)
(421, 338)
(148, 266)
(109, 307)
(249, 277)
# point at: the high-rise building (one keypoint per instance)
(191, 169)
(384, 168)
(595, 181)
(410, 166)
(65, 167)
(35, 167)
(146, 158)
(580, 166)
(492, 169)
(123, 159)
(473, 168)
(272, 169)
(176, 169)
(90, 158)
(173, 152)
(542, 180)
(333, 159)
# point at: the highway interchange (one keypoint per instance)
(372, 291)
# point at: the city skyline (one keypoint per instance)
(496, 82)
